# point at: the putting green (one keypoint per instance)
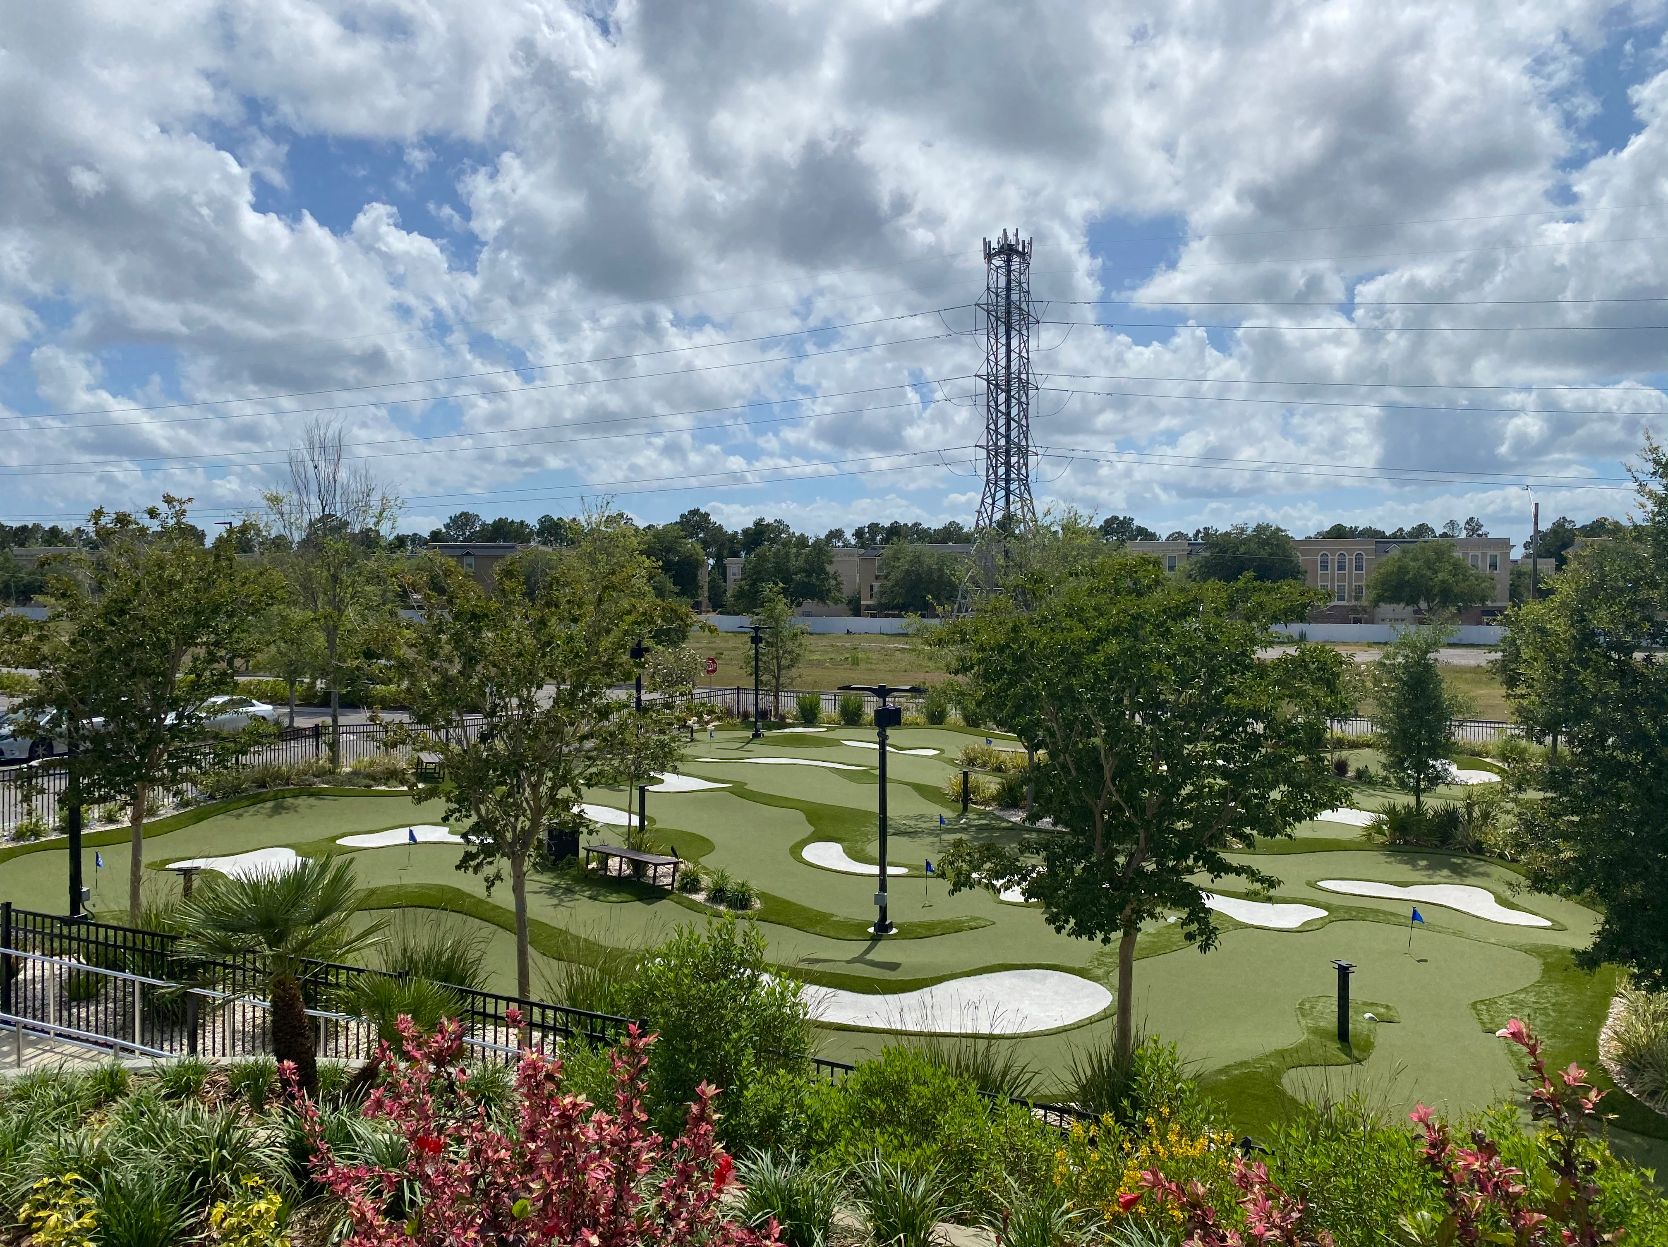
(1251, 1015)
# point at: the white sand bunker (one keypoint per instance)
(832, 766)
(682, 783)
(1009, 1002)
(1463, 775)
(786, 731)
(245, 865)
(1345, 814)
(427, 833)
(1278, 916)
(607, 815)
(832, 856)
(875, 745)
(1478, 902)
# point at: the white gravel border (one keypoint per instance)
(923, 752)
(832, 766)
(788, 731)
(1006, 1002)
(1468, 776)
(1347, 814)
(427, 833)
(277, 861)
(682, 783)
(1478, 902)
(832, 856)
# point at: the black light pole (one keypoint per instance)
(639, 652)
(1345, 969)
(758, 644)
(886, 716)
(72, 825)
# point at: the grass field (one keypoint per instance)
(834, 660)
(1253, 1015)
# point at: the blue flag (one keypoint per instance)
(941, 820)
(929, 865)
(411, 835)
(1417, 916)
(989, 741)
(98, 860)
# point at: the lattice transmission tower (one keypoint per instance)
(1005, 508)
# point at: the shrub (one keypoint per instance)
(905, 1106)
(993, 758)
(982, 790)
(139, 1207)
(660, 1192)
(722, 1017)
(1437, 826)
(809, 706)
(1637, 1041)
(183, 1078)
(253, 1217)
(992, 1063)
(16, 684)
(384, 770)
(728, 892)
(903, 1206)
(1363, 774)
(1101, 1168)
(1340, 766)
(31, 829)
(1357, 1169)
(850, 708)
(784, 1188)
(935, 706)
(1154, 1082)
(690, 879)
(253, 1081)
(60, 1212)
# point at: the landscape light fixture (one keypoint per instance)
(887, 716)
(758, 644)
(1345, 969)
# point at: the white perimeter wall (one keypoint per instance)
(835, 625)
(1367, 634)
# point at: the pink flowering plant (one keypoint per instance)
(1489, 1201)
(1271, 1218)
(567, 1172)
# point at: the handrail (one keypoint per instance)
(87, 1039)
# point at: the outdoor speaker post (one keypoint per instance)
(1345, 969)
(886, 717)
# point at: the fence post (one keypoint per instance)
(191, 1020)
(966, 783)
(6, 958)
(318, 740)
(138, 1014)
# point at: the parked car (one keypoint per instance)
(231, 712)
(23, 740)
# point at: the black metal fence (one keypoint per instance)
(129, 989)
(134, 988)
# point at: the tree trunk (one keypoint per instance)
(1418, 789)
(291, 684)
(335, 728)
(136, 853)
(292, 1032)
(1030, 783)
(518, 891)
(1125, 1039)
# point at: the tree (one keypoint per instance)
(1474, 527)
(918, 579)
(283, 917)
(784, 643)
(1582, 665)
(557, 531)
(464, 526)
(801, 568)
(291, 649)
(762, 532)
(332, 523)
(1430, 577)
(1415, 709)
(513, 689)
(142, 630)
(1123, 528)
(679, 561)
(1162, 741)
(1265, 552)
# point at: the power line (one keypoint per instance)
(1358, 385)
(1240, 328)
(1352, 302)
(1339, 403)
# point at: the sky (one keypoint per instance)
(1309, 263)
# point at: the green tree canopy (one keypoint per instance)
(1166, 742)
(801, 568)
(1583, 664)
(783, 644)
(1123, 528)
(538, 668)
(1415, 708)
(1264, 552)
(679, 562)
(918, 579)
(1431, 577)
(142, 629)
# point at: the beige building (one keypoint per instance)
(1341, 566)
(478, 558)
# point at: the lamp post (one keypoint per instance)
(72, 822)
(1345, 969)
(639, 652)
(886, 716)
(758, 644)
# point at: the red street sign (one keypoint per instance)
(712, 666)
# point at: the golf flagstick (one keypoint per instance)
(1418, 918)
(410, 839)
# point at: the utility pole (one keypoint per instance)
(1006, 507)
(1534, 546)
(886, 717)
(758, 643)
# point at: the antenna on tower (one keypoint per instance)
(1006, 509)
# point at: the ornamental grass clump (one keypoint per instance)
(1637, 1041)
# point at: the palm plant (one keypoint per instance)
(283, 919)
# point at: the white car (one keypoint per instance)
(21, 740)
(231, 712)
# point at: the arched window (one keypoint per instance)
(1360, 562)
(1326, 563)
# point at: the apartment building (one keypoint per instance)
(478, 558)
(1340, 568)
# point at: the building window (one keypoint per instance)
(1360, 563)
(1169, 562)
(1326, 563)
(1473, 560)
(1360, 591)
(468, 561)
(1343, 592)
(1494, 562)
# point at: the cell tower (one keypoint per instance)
(1005, 507)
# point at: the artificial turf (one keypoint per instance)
(1253, 1015)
